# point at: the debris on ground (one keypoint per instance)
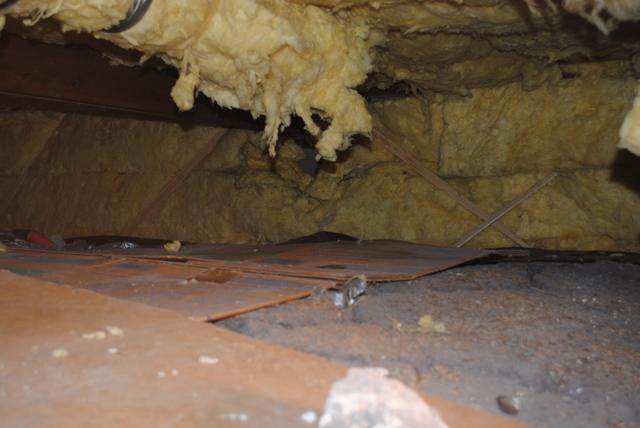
(426, 324)
(511, 327)
(207, 360)
(236, 417)
(309, 417)
(350, 292)
(367, 397)
(509, 405)
(173, 247)
(3, 248)
(58, 242)
(95, 335)
(114, 331)
(113, 351)
(60, 353)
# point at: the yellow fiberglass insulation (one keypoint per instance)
(272, 58)
(630, 131)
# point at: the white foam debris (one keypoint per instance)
(95, 335)
(60, 353)
(309, 417)
(203, 359)
(237, 417)
(114, 331)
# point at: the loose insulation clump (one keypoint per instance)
(272, 58)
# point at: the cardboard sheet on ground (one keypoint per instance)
(382, 260)
(215, 295)
(218, 281)
(160, 370)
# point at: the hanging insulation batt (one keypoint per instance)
(272, 58)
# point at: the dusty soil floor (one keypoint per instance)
(562, 338)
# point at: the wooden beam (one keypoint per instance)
(81, 79)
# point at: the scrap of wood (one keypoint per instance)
(434, 179)
(499, 214)
(158, 201)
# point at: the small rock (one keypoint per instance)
(367, 397)
(508, 405)
(175, 372)
(113, 351)
(161, 374)
(60, 353)
(3, 248)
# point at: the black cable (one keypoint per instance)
(134, 15)
(7, 3)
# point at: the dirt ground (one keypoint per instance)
(561, 339)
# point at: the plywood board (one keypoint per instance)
(382, 260)
(152, 374)
(169, 286)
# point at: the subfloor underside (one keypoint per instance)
(128, 335)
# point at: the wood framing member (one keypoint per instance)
(79, 78)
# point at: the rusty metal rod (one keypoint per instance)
(443, 185)
(499, 214)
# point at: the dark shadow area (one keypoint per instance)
(625, 170)
(597, 46)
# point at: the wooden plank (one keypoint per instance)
(192, 291)
(439, 183)
(154, 377)
(381, 260)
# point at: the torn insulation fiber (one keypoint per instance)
(273, 58)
